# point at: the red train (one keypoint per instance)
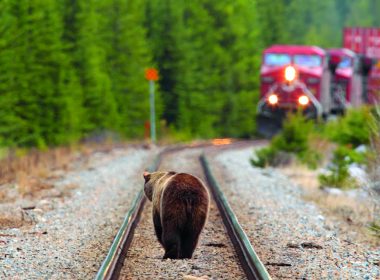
(317, 81)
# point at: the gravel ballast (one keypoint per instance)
(67, 233)
(290, 235)
(214, 258)
(71, 234)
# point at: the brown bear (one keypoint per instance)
(180, 209)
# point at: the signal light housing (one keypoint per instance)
(303, 100)
(273, 99)
(290, 73)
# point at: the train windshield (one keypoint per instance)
(276, 59)
(307, 60)
(345, 62)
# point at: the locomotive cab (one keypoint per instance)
(347, 81)
(292, 78)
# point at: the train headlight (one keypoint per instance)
(273, 99)
(290, 73)
(303, 100)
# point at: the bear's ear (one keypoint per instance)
(146, 176)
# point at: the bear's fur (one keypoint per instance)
(180, 209)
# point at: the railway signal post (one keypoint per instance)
(151, 75)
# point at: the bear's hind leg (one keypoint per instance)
(188, 243)
(172, 244)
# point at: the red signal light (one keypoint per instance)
(151, 74)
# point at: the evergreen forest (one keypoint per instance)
(72, 68)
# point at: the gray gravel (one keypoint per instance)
(68, 233)
(291, 236)
(71, 234)
(214, 258)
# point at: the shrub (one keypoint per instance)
(292, 140)
(264, 157)
(352, 129)
(338, 175)
(294, 135)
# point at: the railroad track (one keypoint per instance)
(223, 237)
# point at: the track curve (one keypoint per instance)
(242, 262)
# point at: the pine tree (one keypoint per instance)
(207, 63)
(11, 125)
(166, 35)
(99, 104)
(321, 26)
(241, 42)
(364, 13)
(40, 102)
(273, 21)
(128, 56)
(73, 67)
(200, 102)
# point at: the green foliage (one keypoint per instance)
(99, 102)
(264, 157)
(315, 23)
(126, 66)
(293, 139)
(294, 135)
(71, 68)
(207, 84)
(375, 124)
(352, 129)
(11, 124)
(169, 134)
(272, 20)
(338, 175)
(374, 227)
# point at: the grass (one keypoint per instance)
(374, 169)
(24, 174)
(28, 170)
(16, 164)
(350, 214)
(375, 229)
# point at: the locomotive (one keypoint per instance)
(350, 80)
(308, 78)
(292, 78)
(347, 80)
(316, 81)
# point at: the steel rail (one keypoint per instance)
(252, 266)
(111, 266)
